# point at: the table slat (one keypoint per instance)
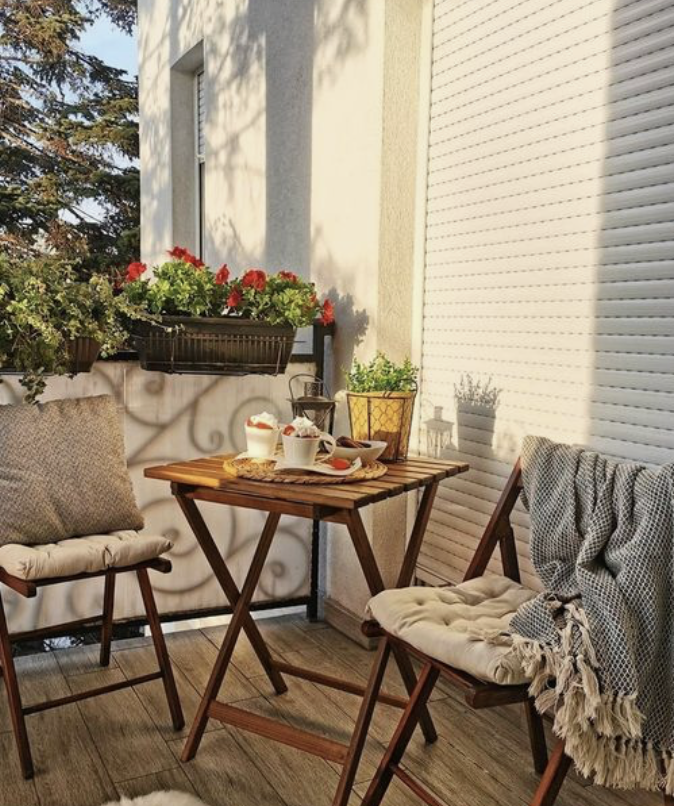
(208, 472)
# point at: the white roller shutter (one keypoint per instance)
(550, 242)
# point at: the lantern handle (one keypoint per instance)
(310, 377)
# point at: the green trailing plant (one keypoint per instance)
(382, 375)
(44, 307)
(185, 286)
(477, 393)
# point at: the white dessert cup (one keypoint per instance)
(261, 442)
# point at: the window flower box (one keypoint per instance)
(212, 325)
(208, 345)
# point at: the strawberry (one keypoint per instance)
(263, 426)
(288, 430)
(339, 464)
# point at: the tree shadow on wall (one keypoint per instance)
(278, 51)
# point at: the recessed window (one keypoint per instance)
(200, 159)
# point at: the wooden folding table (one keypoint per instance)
(206, 480)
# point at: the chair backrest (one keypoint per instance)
(500, 532)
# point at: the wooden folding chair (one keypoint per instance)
(478, 694)
(29, 588)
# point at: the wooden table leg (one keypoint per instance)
(240, 617)
(375, 583)
(411, 557)
(231, 591)
(359, 737)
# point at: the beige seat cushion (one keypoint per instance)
(81, 555)
(461, 626)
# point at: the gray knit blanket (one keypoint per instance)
(598, 644)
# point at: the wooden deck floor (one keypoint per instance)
(122, 743)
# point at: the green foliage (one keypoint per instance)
(177, 289)
(184, 286)
(68, 136)
(44, 306)
(382, 375)
(477, 393)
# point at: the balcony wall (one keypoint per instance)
(170, 418)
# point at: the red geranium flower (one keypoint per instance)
(134, 271)
(328, 315)
(288, 275)
(254, 278)
(190, 258)
(222, 275)
(180, 253)
(234, 298)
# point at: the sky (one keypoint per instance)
(112, 45)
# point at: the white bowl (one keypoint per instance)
(366, 455)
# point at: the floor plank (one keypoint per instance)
(244, 659)
(135, 662)
(294, 775)
(80, 659)
(13, 789)
(68, 768)
(195, 656)
(223, 774)
(166, 779)
(123, 731)
(308, 707)
(123, 743)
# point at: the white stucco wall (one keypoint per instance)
(310, 166)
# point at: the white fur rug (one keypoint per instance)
(160, 799)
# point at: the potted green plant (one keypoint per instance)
(381, 397)
(213, 324)
(54, 323)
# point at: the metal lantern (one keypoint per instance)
(309, 398)
(438, 433)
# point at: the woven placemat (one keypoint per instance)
(264, 471)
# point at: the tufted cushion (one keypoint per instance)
(63, 472)
(461, 626)
(79, 555)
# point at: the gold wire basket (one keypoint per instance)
(383, 416)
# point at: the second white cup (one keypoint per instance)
(303, 450)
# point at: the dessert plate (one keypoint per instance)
(281, 463)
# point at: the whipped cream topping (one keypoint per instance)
(303, 427)
(263, 419)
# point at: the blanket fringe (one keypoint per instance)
(602, 731)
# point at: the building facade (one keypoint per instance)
(487, 186)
